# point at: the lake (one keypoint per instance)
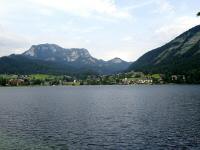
(100, 117)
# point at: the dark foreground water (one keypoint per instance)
(100, 117)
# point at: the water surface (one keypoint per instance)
(100, 117)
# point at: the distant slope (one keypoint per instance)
(18, 64)
(53, 59)
(178, 56)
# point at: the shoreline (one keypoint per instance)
(31, 86)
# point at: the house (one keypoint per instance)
(15, 82)
(125, 81)
(145, 81)
(178, 77)
(174, 77)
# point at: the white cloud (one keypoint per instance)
(159, 6)
(140, 4)
(85, 8)
(164, 6)
(11, 42)
(176, 27)
(89, 29)
(118, 52)
(127, 39)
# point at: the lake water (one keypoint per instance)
(100, 117)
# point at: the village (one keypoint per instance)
(130, 78)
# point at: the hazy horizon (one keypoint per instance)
(107, 28)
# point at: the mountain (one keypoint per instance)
(116, 60)
(180, 56)
(53, 59)
(53, 52)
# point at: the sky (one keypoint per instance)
(107, 28)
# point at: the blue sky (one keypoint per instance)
(107, 28)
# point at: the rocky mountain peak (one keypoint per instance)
(116, 60)
(36, 50)
(54, 52)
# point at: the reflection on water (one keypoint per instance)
(100, 117)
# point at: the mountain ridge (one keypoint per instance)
(73, 60)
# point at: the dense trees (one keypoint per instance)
(3, 81)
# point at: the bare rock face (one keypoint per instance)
(56, 53)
